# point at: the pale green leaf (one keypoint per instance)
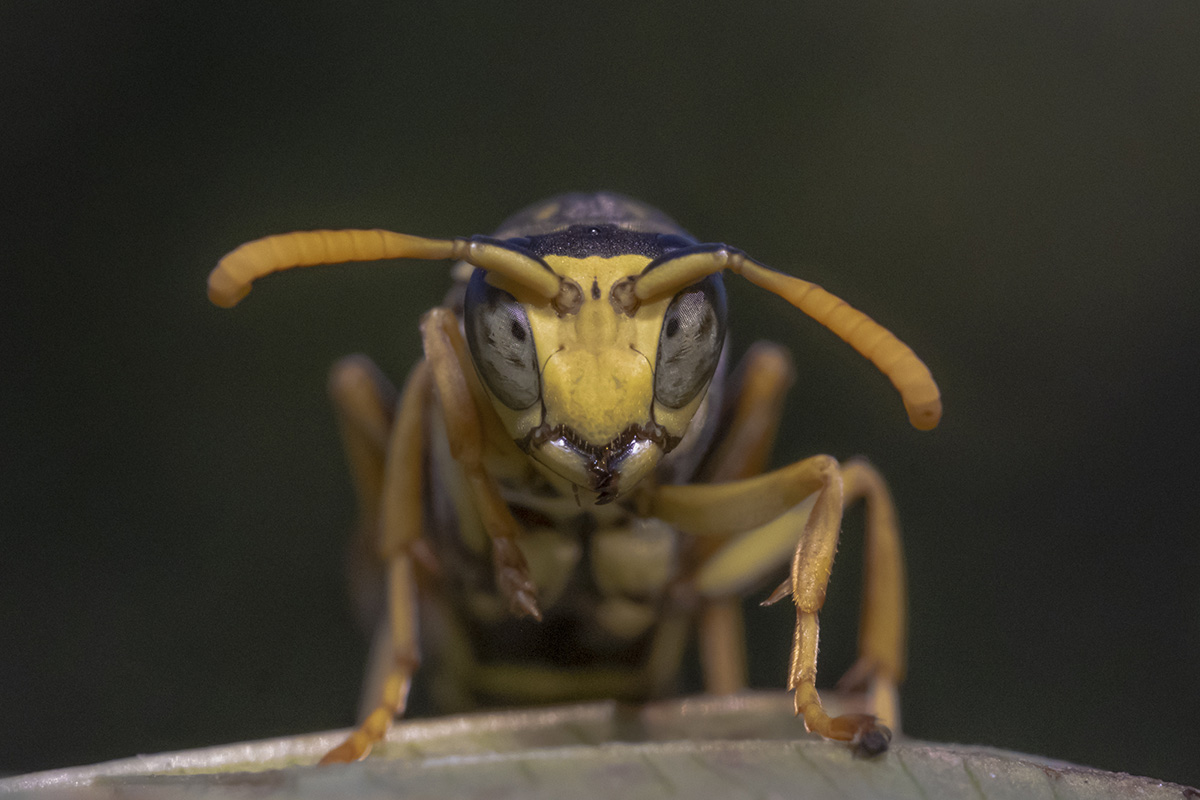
(745, 747)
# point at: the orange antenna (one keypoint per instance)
(230, 281)
(892, 357)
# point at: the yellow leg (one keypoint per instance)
(761, 382)
(364, 402)
(880, 666)
(811, 567)
(763, 504)
(400, 526)
(445, 352)
(722, 645)
(402, 613)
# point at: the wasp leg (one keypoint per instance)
(879, 668)
(460, 402)
(761, 383)
(364, 401)
(722, 641)
(400, 526)
(770, 508)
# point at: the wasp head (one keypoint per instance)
(597, 394)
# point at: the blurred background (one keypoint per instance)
(1011, 187)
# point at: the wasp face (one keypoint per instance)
(600, 395)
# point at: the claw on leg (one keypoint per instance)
(865, 733)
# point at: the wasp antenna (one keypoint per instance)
(524, 270)
(668, 276)
(230, 281)
(892, 357)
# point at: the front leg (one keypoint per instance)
(767, 510)
(811, 567)
(461, 401)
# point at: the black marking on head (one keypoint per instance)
(516, 245)
(605, 241)
(595, 288)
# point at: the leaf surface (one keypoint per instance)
(745, 747)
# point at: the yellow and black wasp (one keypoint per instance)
(568, 484)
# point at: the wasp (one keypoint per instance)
(572, 481)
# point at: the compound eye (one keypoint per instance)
(689, 345)
(501, 343)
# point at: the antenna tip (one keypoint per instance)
(925, 416)
(224, 290)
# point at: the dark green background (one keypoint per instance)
(1011, 187)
